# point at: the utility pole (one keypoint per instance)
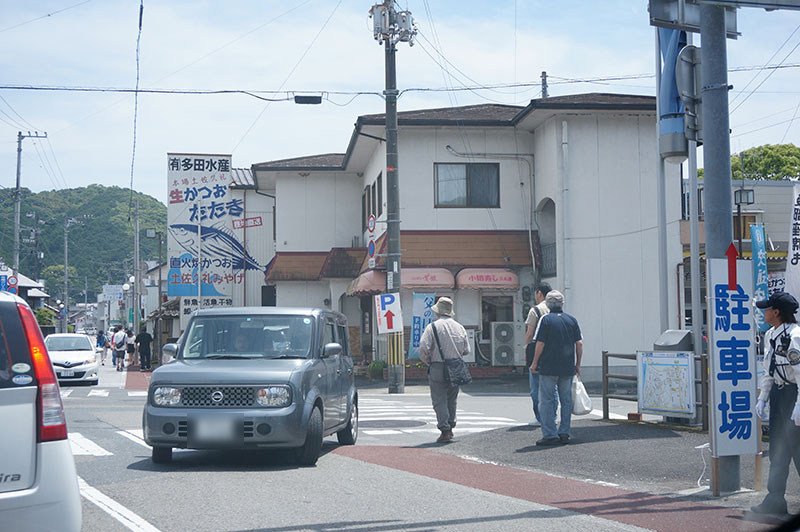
(717, 176)
(389, 28)
(17, 198)
(136, 271)
(544, 84)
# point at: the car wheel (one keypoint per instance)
(162, 455)
(349, 434)
(308, 454)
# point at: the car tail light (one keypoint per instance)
(50, 411)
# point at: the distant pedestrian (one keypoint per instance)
(779, 386)
(103, 343)
(119, 344)
(443, 338)
(130, 340)
(143, 341)
(557, 359)
(539, 310)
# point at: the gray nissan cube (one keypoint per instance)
(254, 378)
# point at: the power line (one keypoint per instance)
(43, 16)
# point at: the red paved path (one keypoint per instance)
(135, 379)
(645, 510)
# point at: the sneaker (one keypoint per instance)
(767, 509)
(563, 438)
(534, 423)
(445, 437)
(548, 442)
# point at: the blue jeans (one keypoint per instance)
(551, 389)
(533, 381)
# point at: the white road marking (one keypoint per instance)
(83, 446)
(136, 438)
(611, 415)
(129, 520)
(66, 393)
(98, 393)
(137, 393)
(381, 432)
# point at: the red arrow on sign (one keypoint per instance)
(731, 254)
(389, 315)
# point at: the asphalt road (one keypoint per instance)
(612, 477)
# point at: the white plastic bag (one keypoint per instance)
(581, 402)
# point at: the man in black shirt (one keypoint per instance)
(557, 359)
(143, 341)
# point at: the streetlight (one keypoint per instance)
(742, 196)
(152, 233)
(125, 288)
(63, 318)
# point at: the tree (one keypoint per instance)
(777, 162)
(54, 278)
(45, 316)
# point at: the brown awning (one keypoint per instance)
(426, 279)
(296, 266)
(458, 249)
(487, 279)
(368, 283)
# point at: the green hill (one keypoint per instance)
(100, 242)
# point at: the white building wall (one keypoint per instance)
(318, 211)
(302, 293)
(611, 246)
(773, 205)
(260, 245)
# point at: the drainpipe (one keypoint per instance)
(531, 184)
(565, 249)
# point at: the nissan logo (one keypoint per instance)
(217, 396)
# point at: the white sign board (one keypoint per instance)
(388, 313)
(732, 357)
(666, 383)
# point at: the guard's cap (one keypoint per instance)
(783, 301)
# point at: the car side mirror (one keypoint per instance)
(331, 350)
(170, 349)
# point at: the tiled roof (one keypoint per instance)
(343, 262)
(453, 249)
(468, 113)
(297, 266)
(333, 161)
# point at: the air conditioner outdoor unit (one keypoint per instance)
(470, 359)
(507, 343)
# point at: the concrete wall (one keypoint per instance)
(302, 294)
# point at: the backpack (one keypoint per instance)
(119, 345)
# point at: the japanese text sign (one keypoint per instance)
(732, 359)
(388, 313)
(422, 315)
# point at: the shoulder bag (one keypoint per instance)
(455, 370)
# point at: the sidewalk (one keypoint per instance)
(643, 457)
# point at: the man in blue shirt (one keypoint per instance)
(557, 359)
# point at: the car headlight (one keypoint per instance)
(274, 396)
(166, 396)
(90, 360)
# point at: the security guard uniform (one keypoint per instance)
(779, 387)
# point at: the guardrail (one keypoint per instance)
(701, 379)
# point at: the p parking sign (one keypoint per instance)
(388, 313)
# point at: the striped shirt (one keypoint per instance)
(452, 336)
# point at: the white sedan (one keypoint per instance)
(74, 357)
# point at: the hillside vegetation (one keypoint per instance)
(100, 240)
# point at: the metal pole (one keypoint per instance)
(17, 202)
(396, 367)
(661, 200)
(66, 277)
(136, 272)
(717, 177)
(158, 320)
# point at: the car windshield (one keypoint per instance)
(247, 337)
(68, 343)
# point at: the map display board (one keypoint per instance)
(666, 383)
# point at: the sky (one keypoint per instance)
(466, 52)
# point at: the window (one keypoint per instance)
(374, 198)
(328, 333)
(747, 219)
(341, 331)
(380, 193)
(466, 185)
(495, 308)
(364, 208)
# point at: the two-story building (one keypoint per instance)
(492, 199)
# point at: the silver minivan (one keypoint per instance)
(38, 480)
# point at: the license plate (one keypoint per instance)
(67, 373)
(215, 429)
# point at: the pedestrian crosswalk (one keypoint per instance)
(82, 393)
(384, 417)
